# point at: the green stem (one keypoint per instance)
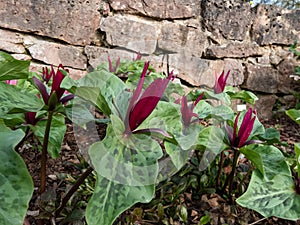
(231, 175)
(218, 180)
(44, 153)
(72, 190)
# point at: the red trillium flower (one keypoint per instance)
(30, 118)
(220, 82)
(138, 57)
(142, 104)
(238, 137)
(48, 74)
(112, 68)
(187, 110)
(56, 92)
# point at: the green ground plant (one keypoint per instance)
(153, 128)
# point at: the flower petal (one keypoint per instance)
(57, 79)
(138, 90)
(186, 112)
(30, 117)
(245, 122)
(112, 68)
(66, 98)
(147, 102)
(220, 82)
(153, 130)
(245, 135)
(42, 89)
(229, 132)
(198, 99)
(235, 126)
(138, 57)
(142, 110)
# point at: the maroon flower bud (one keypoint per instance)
(220, 83)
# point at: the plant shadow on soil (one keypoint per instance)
(188, 197)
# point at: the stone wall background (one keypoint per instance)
(200, 38)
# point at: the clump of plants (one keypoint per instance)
(153, 129)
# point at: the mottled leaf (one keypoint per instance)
(294, 114)
(178, 156)
(166, 116)
(272, 193)
(254, 157)
(16, 186)
(210, 140)
(11, 68)
(111, 198)
(127, 168)
(273, 160)
(99, 88)
(271, 136)
(12, 100)
(246, 96)
(275, 197)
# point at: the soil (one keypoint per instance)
(62, 173)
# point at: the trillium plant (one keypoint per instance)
(153, 128)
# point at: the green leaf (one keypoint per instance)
(204, 220)
(14, 120)
(271, 135)
(12, 100)
(246, 96)
(110, 199)
(11, 68)
(165, 116)
(178, 156)
(57, 133)
(127, 169)
(297, 152)
(294, 114)
(254, 157)
(131, 160)
(222, 112)
(223, 97)
(15, 181)
(211, 138)
(203, 109)
(272, 159)
(79, 112)
(275, 197)
(188, 137)
(272, 193)
(94, 96)
(100, 88)
(210, 141)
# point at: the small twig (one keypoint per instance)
(73, 190)
(256, 222)
(44, 153)
(236, 154)
(218, 180)
(52, 221)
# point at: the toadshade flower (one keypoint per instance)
(56, 93)
(112, 68)
(187, 110)
(238, 137)
(30, 118)
(220, 82)
(144, 102)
